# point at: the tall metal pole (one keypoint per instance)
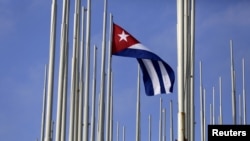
(92, 136)
(233, 84)
(44, 103)
(201, 105)
(240, 116)
(149, 128)
(171, 122)
(204, 113)
(111, 111)
(186, 56)
(138, 111)
(117, 131)
(192, 73)
(50, 84)
(75, 129)
(180, 68)
(75, 93)
(213, 109)
(244, 93)
(81, 77)
(109, 57)
(220, 87)
(52, 130)
(64, 97)
(211, 113)
(123, 133)
(62, 78)
(100, 135)
(65, 75)
(164, 124)
(160, 120)
(87, 70)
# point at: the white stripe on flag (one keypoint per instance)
(153, 75)
(165, 77)
(139, 46)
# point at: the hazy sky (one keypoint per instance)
(24, 50)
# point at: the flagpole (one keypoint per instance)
(75, 93)
(65, 84)
(123, 133)
(180, 73)
(62, 69)
(192, 63)
(75, 72)
(50, 83)
(44, 103)
(186, 56)
(233, 83)
(100, 135)
(204, 113)
(171, 122)
(138, 105)
(211, 114)
(93, 98)
(81, 76)
(160, 120)
(109, 79)
(52, 131)
(111, 111)
(164, 124)
(244, 92)
(213, 111)
(201, 105)
(117, 131)
(99, 113)
(240, 116)
(87, 70)
(64, 98)
(220, 86)
(111, 120)
(65, 75)
(149, 128)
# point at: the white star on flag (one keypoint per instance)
(123, 36)
(158, 76)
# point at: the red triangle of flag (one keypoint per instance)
(121, 39)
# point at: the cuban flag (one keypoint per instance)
(158, 76)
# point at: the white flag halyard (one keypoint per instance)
(158, 76)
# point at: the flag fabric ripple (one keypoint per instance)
(158, 76)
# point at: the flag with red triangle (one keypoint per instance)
(158, 76)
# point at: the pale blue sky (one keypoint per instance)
(24, 50)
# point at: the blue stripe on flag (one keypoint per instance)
(148, 82)
(138, 53)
